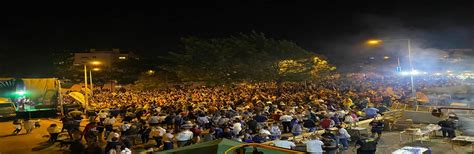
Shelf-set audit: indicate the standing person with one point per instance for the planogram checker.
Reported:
(53, 131)
(28, 125)
(109, 125)
(448, 128)
(252, 125)
(366, 145)
(169, 120)
(112, 144)
(157, 134)
(377, 127)
(145, 134)
(297, 129)
(343, 137)
(286, 122)
(327, 123)
(90, 132)
(178, 121)
(330, 145)
(196, 134)
(275, 131)
(184, 137)
(17, 126)
(168, 140)
(314, 145)
(261, 120)
(310, 124)
(66, 121)
(112, 140)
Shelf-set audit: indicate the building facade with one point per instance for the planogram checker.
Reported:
(106, 58)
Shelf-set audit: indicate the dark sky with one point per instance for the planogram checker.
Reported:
(28, 35)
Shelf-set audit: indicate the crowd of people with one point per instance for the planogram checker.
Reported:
(247, 112)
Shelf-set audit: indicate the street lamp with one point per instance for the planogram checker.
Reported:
(373, 42)
(412, 70)
(86, 99)
(150, 72)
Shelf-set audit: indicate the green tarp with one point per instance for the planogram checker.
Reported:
(213, 147)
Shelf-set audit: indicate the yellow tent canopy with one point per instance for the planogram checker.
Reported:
(422, 98)
(79, 97)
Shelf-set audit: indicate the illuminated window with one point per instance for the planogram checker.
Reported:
(122, 57)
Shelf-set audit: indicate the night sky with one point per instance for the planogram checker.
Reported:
(29, 35)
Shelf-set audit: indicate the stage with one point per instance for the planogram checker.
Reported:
(36, 112)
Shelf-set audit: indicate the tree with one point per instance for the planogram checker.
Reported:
(244, 57)
(64, 68)
(155, 80)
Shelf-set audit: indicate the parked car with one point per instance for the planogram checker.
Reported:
(7, 109)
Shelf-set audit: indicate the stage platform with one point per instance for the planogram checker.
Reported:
(36, 112)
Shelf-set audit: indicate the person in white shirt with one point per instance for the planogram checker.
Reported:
(154, 120)
(286, 122)
(343, 137)
(275, 131)
(284, 143)
(314, 145)
(126, 151)
(265, 132)
(184, 137)
(236, 127)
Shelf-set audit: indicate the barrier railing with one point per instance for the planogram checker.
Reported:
(427, 108)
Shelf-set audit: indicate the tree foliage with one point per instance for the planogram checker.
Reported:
(244, 57)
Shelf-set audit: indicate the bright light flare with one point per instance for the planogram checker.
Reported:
(414, 72)
(373, 42)
(20, 93)
(96, 69)
(386, 57)
(96, 62)
(150, 72)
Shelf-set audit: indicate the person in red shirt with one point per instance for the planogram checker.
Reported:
(326, 123)
(276, 116)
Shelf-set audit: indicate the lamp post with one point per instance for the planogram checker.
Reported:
(412, 70)
(86, 98)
